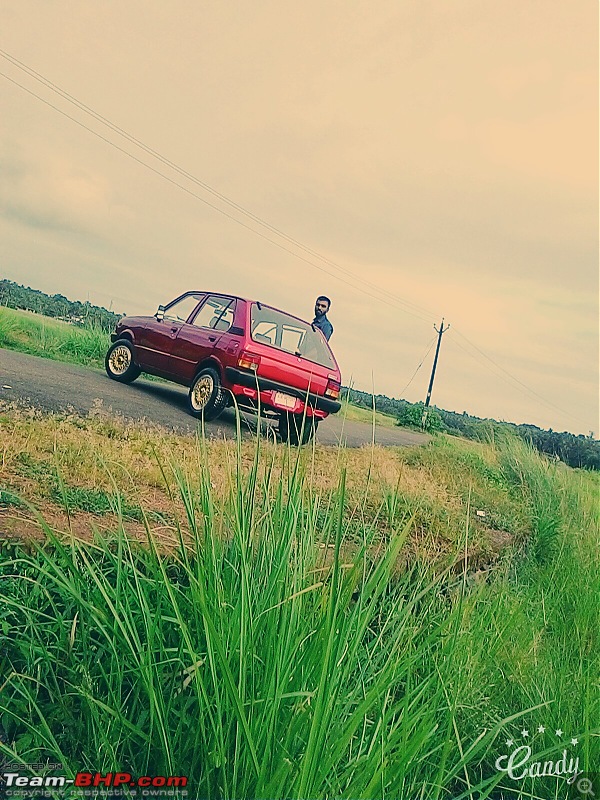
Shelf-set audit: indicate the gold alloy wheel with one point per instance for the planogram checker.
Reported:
(202, 391)
(120, 360)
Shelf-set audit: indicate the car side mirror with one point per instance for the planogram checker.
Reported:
(160, 313)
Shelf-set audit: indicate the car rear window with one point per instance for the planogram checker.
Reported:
(280, 330)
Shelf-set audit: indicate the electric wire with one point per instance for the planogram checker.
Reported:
(518, 384)
(239, 208)
(208, 203)
(512, 377)
(419, 367)
(387, 298)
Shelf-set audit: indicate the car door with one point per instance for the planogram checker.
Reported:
(154, 341)
(197, 339)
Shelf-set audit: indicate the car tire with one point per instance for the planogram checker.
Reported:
(297, 429)
(119, 362)
(206, 397)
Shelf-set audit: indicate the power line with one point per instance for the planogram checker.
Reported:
(206, 202)
(511, 376)
(518, 384)
(419, 367)
(387, 298)
(407, 305)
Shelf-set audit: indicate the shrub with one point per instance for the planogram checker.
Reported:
(412, 417)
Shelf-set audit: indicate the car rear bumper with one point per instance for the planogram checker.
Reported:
(250, 381)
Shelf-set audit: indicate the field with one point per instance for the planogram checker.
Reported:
(358, 414)
(274, 623)
(51, 338)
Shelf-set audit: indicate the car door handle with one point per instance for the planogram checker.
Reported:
(174, 330)
(212, 338)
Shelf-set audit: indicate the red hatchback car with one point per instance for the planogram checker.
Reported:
(226, 347)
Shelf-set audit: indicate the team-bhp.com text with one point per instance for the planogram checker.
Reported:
(91, 779)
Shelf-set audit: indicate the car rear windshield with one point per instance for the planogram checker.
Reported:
(272, 327)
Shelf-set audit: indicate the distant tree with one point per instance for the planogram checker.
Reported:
(576, 451)
(14, 295)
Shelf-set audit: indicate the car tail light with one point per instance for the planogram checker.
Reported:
(248, 360)
(333, 389)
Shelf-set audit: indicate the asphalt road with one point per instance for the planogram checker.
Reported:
(58, 387)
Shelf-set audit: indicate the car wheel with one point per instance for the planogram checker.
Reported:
(207, 398)
(119, 363)
(296, 429)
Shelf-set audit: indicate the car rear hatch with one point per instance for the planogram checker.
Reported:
(291, 351)
(291, 370)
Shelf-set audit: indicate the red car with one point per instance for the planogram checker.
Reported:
(228, 349)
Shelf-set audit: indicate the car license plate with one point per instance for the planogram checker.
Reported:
(285, 400)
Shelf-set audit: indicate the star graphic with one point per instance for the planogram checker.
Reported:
(559, 732)
(524, 733)
(574, 741)
(509, 742)
(541, 729)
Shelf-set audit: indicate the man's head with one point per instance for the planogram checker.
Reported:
(322, 304)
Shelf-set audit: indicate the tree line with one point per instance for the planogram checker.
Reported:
(13, 295)
(575, 450)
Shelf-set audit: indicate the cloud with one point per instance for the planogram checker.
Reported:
(52, 193)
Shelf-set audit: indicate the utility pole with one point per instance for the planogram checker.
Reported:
(440, 332)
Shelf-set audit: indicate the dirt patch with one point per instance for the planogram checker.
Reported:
(498, 541)
(27, 527)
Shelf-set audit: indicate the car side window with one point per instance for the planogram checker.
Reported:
(180, 310)
(216, 313)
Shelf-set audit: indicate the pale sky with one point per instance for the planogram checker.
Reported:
(446, 153)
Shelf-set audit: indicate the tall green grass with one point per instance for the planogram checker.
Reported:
(261, 660)
(50, 338)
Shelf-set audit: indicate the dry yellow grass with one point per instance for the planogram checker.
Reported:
(106, 455)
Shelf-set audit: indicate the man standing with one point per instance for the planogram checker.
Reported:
(320, 321)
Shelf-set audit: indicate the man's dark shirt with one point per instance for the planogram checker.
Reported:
(324, 325)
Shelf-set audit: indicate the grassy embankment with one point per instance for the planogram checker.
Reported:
(323, 623)
(51, 338)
